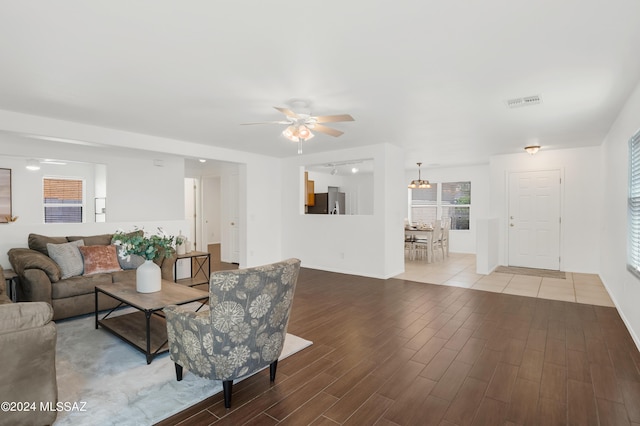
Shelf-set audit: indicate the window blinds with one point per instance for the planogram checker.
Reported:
(63, 200)
(633, 206)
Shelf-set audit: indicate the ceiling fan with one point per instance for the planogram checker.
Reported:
(299, 125)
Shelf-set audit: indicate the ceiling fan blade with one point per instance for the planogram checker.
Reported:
(266, 122)
(333, 118)
(287, 112)
(327, 130)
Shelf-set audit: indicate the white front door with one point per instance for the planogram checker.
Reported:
(534, 219)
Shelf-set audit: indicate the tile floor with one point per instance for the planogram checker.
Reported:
(459, 270)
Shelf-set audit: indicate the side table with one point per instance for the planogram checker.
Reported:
(11, 278)
(199, 267)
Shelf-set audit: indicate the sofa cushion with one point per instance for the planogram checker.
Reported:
(68, 258)
(99, 259)
(127, 275)
(93, 240)
(39, 242)
(77, 286)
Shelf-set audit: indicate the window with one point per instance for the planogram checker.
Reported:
(633, 207)
(447, 199)
(63, 200)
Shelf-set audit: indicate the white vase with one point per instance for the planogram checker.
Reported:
(148, 277)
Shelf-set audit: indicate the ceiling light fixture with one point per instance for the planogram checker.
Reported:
(298, 134)
(421, 184)
(33, 165)
(354, 170)
(202, 160)
(334, 171)
(532, 149)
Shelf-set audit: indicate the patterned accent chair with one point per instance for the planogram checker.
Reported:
(244, 329)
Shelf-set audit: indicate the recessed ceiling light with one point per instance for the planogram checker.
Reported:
(202, 160)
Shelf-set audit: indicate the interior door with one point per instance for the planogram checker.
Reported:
(230, 243)
(534, 219)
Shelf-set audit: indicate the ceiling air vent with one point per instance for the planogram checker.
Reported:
(526, 101)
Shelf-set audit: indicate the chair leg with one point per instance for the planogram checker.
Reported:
(272, 370)
(178, 371)
(226, 389)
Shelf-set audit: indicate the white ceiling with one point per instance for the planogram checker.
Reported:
(430, 76)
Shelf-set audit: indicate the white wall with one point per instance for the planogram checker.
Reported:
(260, 226)
(369, 245)
(460, 241)
(581, 201)
(623, 287)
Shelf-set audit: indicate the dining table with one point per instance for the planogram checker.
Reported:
(412, 234)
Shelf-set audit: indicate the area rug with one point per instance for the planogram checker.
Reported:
(112, 384)
(544, 273)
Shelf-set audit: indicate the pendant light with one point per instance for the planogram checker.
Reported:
(420, 184)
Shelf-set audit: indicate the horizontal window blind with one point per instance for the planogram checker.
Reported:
(633, 206)
(63, 200)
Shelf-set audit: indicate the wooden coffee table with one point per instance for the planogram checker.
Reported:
(145, 329)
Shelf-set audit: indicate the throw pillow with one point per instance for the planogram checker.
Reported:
(99, 259)
(68, 258)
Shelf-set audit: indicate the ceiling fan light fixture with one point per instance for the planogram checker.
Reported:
(304, 133)
(419, 183)
(291, 133)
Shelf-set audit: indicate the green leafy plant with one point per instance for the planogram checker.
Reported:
(150, 247)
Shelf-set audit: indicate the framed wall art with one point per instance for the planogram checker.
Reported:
(5, 196)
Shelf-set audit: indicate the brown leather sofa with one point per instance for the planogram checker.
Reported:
(28, 351)
(39, 277)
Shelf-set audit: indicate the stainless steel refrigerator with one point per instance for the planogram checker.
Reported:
(332, 202)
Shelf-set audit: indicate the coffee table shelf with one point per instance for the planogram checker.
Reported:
(145, 329)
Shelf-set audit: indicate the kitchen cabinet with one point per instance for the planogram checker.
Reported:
(310, 198)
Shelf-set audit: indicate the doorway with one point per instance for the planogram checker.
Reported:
(534, 219)
(212, 206)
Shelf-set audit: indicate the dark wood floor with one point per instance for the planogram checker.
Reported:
(394, 352)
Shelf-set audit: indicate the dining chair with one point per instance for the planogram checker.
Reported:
(446, 227)
(436, 240)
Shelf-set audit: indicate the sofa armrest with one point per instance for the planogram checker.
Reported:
(23, 316)
(22, 259)
(28, 356)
